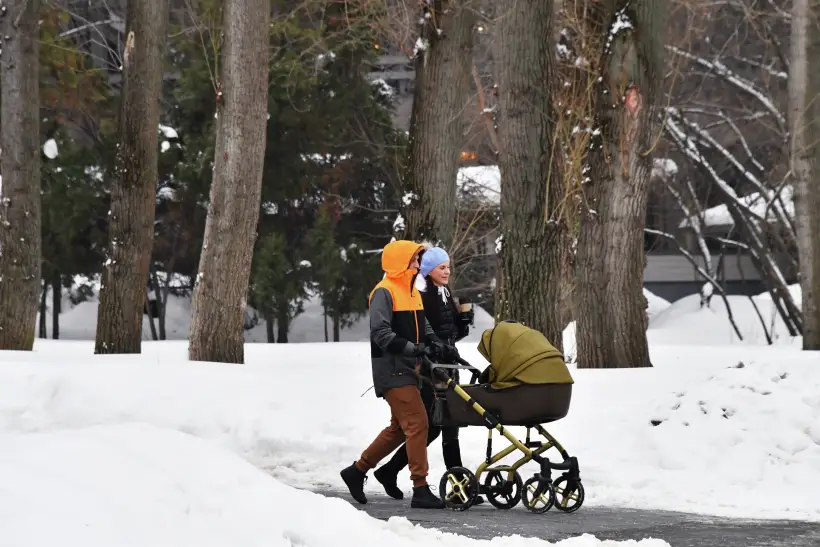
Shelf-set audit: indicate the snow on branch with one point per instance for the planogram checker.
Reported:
(738, 81)
(779, 207)
(742, 212)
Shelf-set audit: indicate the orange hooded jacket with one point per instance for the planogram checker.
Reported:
(397, 319)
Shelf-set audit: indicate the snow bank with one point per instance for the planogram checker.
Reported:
(755, 425)
(297, 411)
(685, 321)
(137, 485)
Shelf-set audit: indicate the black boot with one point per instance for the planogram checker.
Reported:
(423, 498)
(355, 479)
(388, 477)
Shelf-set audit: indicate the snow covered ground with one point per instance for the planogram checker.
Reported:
(137, 485)
(154, 450)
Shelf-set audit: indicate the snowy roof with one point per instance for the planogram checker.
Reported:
(757, 204)
(483, 179)
(486, 179)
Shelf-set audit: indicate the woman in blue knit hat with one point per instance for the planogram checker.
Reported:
(450, 326)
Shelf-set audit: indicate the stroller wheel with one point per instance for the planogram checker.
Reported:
(503, 493)
(458, 488)
(538, 496)
(569, 494)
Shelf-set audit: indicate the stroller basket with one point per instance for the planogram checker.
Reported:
(524, 405)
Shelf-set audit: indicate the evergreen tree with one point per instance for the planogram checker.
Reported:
(327, 266)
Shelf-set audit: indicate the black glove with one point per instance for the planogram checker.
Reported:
(444, 353)
(466, 318)
(415, 350)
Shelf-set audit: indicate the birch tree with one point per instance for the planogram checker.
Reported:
(20, 237)
(220, 293)
(442, 66)
(611, 319)
(131, 218)
(804, 155)
(534, 228)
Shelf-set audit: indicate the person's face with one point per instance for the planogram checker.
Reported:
(441, 273)
(414, 262)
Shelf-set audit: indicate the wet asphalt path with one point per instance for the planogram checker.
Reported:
(679, 529)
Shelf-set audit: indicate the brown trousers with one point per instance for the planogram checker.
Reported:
(408, 424)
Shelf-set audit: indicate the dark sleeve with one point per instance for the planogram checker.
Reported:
(463, 329)
(381, 324)
(429, 333)
(460, 328)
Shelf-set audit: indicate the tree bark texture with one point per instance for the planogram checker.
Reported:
(133, 195)
(220, 294)
(612, 318)
(20, 237)
(534, 226)
(441, 93)
(804, 121)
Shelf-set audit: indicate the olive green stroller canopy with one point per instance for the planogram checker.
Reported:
(527, 382)
(520, 355)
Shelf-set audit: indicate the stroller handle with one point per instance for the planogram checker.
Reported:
(462, 364)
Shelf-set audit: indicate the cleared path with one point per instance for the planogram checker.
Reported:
(679, 529)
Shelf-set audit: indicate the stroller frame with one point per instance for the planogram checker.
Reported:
(459, 487)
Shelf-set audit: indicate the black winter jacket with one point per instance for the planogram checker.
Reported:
(442, 316)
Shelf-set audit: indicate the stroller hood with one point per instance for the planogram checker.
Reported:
(520, 355)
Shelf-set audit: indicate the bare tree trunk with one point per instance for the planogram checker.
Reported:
(20, 237)
(43, 330)
(282, 325)
(152, 326)
(337, 328)
(131, 220)
(56, 306)
(534, 230)
(612, 317)
(436, 126)
(804, 121)
(220, 293)
(269, 327)
(161, 296)
(324, 313)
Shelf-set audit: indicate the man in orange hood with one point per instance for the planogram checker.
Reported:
(398, 331)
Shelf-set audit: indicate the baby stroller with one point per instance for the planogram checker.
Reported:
(527, 384)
